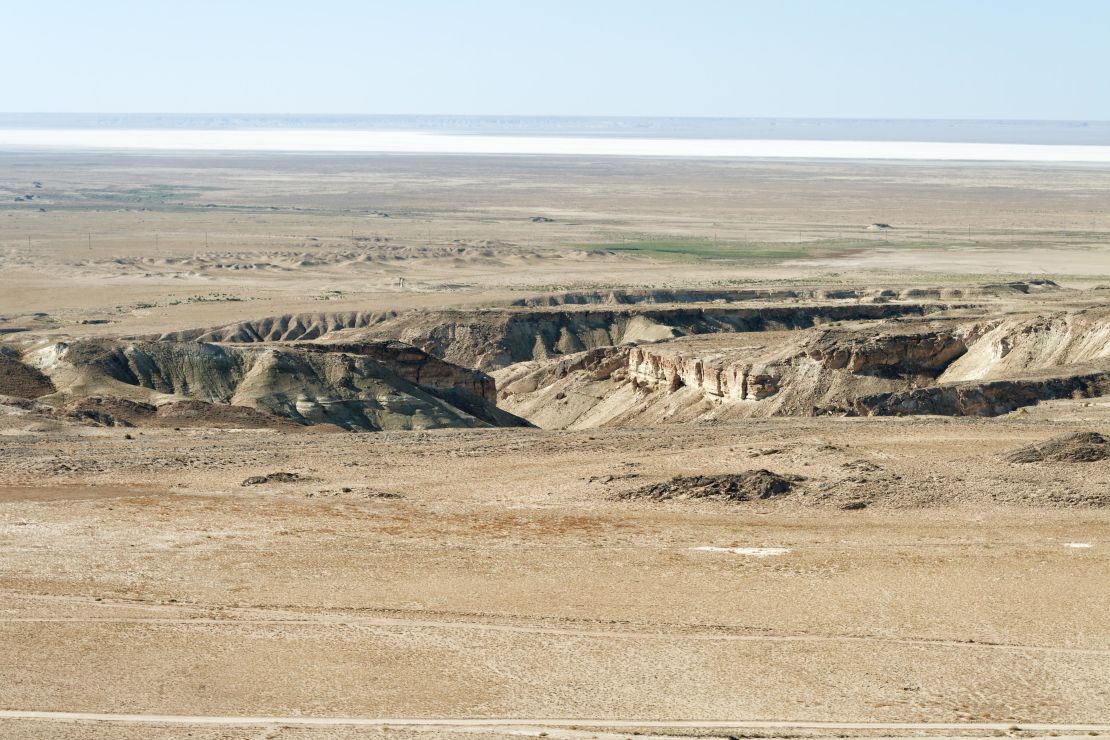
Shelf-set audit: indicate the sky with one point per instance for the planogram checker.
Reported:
(995, 59)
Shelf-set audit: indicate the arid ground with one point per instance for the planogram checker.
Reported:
(409, 446)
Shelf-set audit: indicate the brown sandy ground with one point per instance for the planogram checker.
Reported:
(500, 574)
(508, 580)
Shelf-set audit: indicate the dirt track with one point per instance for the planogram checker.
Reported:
(524, 723)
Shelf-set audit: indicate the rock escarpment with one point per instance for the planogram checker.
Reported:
(860, 370)
(735, 295)
(386, 385)
(496, 338)
(987, 398)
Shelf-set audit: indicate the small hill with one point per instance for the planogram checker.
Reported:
(1077, 447)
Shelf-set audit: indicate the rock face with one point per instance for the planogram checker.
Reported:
(792, 373)
(365, 388)
(1019, 345)
(1078, 447)
(920, 354)
(414, 365)
(751, 484)
(854, 371)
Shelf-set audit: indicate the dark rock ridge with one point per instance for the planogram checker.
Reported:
(122, 412)
(730, 295)
(988, 398)
(287, 328)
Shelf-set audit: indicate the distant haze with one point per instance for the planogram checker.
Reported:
(694, 138)
(778, 129)
(854, 59)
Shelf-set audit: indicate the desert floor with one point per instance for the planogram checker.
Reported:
(495, 574)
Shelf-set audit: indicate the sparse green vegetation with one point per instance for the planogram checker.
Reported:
(690, 249)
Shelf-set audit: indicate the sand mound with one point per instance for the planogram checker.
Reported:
(1077, 447)
(751, 484)
(20, 380)
(203, 414)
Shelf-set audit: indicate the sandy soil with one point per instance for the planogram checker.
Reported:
(503, 577)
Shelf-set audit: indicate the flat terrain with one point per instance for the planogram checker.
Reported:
(159, 243)
(496, 581)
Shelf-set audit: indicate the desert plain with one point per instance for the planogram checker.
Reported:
(410, 446)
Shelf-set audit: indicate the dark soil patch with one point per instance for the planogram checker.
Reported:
(1077, 447)
(24, 381)
(281, 477)
(751, 484)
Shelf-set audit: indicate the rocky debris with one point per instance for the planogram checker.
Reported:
(1077, 447)
(353, 492)
(745, 486)
(123, 412)
(862, 484)
(280, 477)
(95, 418)
(861, 466)
(607, 479)
(91, 412)
(218, 416)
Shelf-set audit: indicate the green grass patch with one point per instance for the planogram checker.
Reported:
(707, 249)
(691, 249)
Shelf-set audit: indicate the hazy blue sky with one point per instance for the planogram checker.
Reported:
(837, 58)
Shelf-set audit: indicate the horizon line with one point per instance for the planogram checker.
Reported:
(595, 116)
